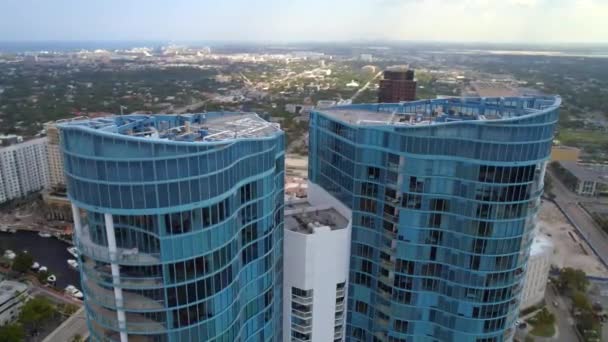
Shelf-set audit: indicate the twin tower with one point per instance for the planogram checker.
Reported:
(419, 224)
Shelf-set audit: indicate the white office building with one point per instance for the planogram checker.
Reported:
(23, 169)
(316, 260)
(12, 296)
(537, 272)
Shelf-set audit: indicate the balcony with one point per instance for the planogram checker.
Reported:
(94, 273)
(340, 292)
(295, 339)
(131, 300)
(384, 294)
(380, 335)
(301, 300)
(387, 250)
(122, 256)
(387, 263)
(301, 328)
(301, 314)
(384, 308)
(135, 323)
(391, 217)
(381, 322)
(337, 333)
(388, 280)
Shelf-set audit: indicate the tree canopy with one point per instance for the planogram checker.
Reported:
(36, 312)
(12, 333)
(23, 261)
(573, 280)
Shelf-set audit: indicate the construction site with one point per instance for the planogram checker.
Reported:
(570, 250)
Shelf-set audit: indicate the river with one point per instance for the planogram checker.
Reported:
(48, 252)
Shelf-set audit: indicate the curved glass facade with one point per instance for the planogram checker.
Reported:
(181, 237)
(444, 195)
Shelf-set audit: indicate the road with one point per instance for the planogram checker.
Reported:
(585, 225)
(57, 297)
(355, 95)
(74, 325)
(564, 322)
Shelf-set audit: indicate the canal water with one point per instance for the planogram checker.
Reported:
(49, 252)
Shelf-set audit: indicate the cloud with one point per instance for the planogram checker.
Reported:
(525, 3)
(322, 20)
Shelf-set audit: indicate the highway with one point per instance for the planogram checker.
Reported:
(585, 225)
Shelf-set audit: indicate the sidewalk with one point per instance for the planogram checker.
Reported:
(74, 325)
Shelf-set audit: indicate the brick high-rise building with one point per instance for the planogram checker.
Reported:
(397, 86)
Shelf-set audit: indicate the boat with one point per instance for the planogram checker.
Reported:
(73, 291)
(51, 279)
(44, 235)
(73, 251)
(4, 229)
(10, 255)
(35, 266)
(73, 263)
(12, 230)
(43, 269)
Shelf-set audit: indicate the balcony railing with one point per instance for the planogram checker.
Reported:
(125, 282)
(381, 321)
(301, 329)
(121, 256)
(393, 166)
(387, 263)
(131, 300)
(301, 300)
(135, 323)
(386, 279)
(301, 314)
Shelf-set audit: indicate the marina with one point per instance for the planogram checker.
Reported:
(49, 253)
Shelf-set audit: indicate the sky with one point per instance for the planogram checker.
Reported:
(502, 21)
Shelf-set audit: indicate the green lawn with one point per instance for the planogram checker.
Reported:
(543, 330)
(582, 137)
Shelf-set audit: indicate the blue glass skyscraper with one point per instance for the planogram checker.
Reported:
(181, 232)
(444, 195)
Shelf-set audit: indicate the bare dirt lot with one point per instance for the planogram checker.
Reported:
(570, 250)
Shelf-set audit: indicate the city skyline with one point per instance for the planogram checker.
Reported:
(519, 21)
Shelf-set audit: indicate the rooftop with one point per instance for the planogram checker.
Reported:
(585, 173)
(8, 289)
(202, 127)
(441, 111)
(304, 218)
